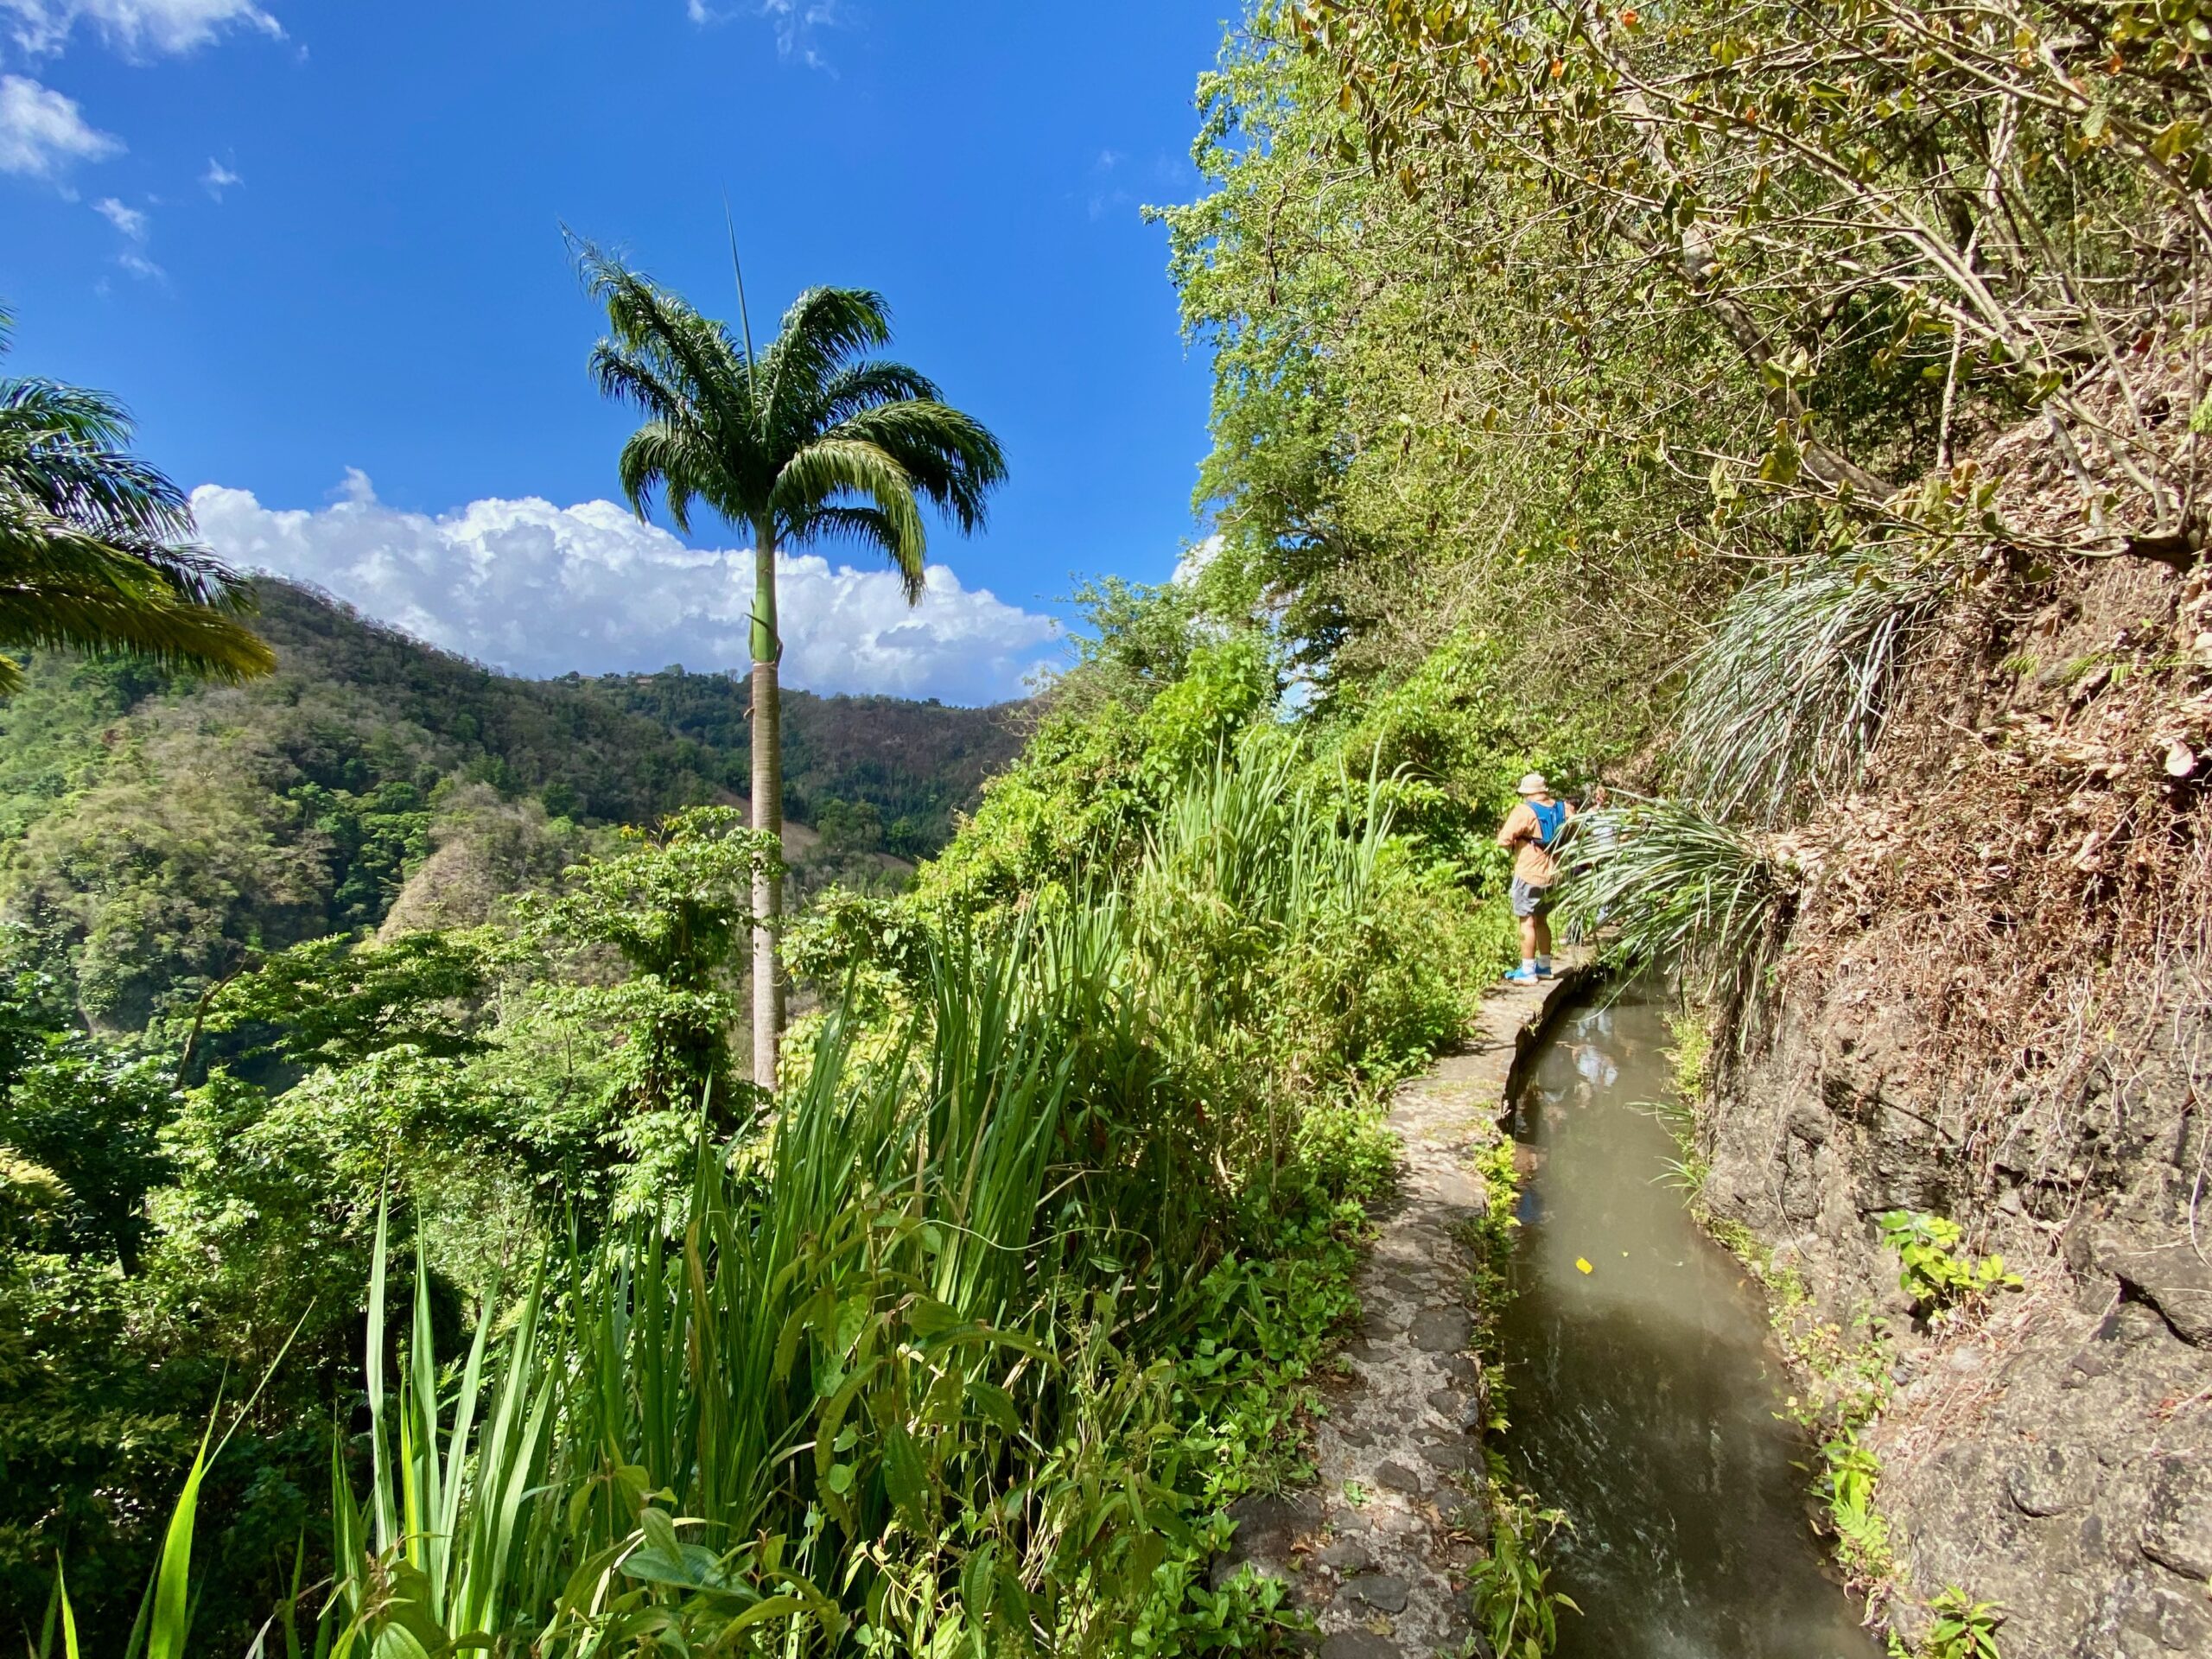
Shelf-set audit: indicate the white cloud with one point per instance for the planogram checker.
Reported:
(1196, 557)
(795, 21)
(140, 266)
(134, 28)
(538, 589)
(42, 134)
(218, 179)
(132, 222)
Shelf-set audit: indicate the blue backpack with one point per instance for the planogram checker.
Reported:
(1550, 820)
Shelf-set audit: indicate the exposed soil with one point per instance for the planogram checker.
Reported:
(1996, 1006)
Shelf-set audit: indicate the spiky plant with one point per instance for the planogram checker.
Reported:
(1679, 888)
(810, 438)
(96, 550)
(1786, 699)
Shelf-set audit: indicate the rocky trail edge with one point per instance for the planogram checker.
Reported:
(1379, 1548)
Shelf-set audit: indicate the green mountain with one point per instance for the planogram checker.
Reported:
(158, 830)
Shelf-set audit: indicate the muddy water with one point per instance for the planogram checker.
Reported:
(1642, 1394)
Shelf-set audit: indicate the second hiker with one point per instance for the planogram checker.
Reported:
(1532, 830)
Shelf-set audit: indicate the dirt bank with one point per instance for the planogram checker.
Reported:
(1993, 1007)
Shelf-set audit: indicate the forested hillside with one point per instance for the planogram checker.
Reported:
(160, 831)
(1791, 416)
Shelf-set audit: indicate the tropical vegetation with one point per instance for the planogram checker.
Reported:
(809, 438)
(1624, 395)
(95, 545)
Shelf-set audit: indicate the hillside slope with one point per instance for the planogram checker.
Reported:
(157, 830)
(1992, 1007)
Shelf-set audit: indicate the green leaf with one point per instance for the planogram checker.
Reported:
(906, 1479)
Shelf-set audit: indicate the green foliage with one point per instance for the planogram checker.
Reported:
(1692, 1054)
(1681, 889)
(1846, 1485)
(1093, 779)
(916, 763)
(164, 833)
(1942, 1283)
(1726, 168)
(1964, 1628)
(97, 545)
(1515, 1605)
(332, 1003)
(1409, 441)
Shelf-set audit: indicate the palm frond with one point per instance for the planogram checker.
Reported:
(666, 455)
(662, 342)
(95, 545)
(824, 329)
(65, 448)
(833, 468)
(61, 587)
(862, 386)
(952, 460)
(868, 527)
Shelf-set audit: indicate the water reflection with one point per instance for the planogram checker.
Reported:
(1642, 1400)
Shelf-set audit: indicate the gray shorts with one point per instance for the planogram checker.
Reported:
(1530, 900)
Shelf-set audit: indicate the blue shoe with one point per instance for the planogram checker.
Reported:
(1523, 977)
(1543, 968)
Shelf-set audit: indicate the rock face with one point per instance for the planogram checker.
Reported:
(1377, 1550)
(2055, 1457)
(2058, 1456)
(1995, 1006)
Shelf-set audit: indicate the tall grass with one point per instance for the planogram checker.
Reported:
(850, 1361)
(1784, 701)
(894, 1378)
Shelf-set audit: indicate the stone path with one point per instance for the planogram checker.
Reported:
(1377, 1549)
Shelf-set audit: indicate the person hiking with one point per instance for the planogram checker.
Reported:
(1531, 830)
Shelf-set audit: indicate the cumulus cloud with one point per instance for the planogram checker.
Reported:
(43, 133)
(134, 28)
(130, 220)
(538, 589)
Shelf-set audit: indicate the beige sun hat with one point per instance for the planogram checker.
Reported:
(1533, 783)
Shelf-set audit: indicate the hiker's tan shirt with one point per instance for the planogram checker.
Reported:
(1521, 831)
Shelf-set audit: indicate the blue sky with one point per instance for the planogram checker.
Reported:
(317, 248)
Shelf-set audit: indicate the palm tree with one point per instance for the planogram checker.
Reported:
(95, 545)
(807, 439)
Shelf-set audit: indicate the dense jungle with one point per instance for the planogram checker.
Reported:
(478, 1179)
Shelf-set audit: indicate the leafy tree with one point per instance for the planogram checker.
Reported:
(334, 1003)
(94, 545)
(672, 906)
(1977, 213)
(807, 439)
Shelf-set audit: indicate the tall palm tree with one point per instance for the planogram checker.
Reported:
(95, 546)
(808, 438)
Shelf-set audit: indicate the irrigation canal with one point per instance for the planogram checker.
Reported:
(1643, 1392)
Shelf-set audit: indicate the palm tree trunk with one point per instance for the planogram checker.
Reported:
(767, 810)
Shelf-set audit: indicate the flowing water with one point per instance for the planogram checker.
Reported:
(1642, 1392)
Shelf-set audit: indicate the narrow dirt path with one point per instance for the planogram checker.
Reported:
(1378, 1548)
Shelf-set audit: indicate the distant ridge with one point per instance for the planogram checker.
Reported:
(160, 831)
